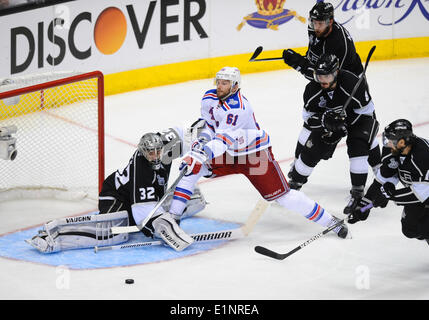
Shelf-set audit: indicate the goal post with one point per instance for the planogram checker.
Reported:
(59, 118)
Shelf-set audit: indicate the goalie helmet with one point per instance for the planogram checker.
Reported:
(397, 130)
(151, 147)
(229, 73)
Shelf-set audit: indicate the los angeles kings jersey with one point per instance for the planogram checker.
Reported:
(138, 182)
(338, 42)
(411, 170)
(318, 100)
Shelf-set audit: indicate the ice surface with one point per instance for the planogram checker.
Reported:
(377, 263)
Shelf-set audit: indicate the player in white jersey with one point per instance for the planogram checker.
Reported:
(232, 142)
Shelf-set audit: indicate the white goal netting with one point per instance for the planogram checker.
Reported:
(59, 138)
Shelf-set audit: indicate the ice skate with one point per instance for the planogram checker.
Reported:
(342, 230)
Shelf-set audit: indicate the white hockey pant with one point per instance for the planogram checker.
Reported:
(187, 186)
(298, 202)
(196, 204)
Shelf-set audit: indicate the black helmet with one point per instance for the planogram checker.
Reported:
(326, 64)
(397, 130)
(326, 71)
(322, 11)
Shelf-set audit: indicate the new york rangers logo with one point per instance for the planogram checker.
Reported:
(270, 15)
(232, 102)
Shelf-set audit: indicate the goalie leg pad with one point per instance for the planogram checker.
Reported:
(167, 228)
(80, 232)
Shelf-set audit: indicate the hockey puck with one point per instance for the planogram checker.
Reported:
(129, 281)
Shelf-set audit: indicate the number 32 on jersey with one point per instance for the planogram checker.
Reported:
(147, 193)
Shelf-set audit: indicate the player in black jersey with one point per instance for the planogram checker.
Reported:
(327, 124)
(142, 183)
(326, 36)
(406, 160)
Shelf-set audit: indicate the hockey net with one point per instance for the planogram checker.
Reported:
(59, 138)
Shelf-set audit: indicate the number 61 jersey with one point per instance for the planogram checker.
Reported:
(231, 126)
(138, 182)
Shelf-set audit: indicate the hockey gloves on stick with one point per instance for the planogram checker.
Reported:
(333, 121)
(374, 195)
(357, 214)
(195, 158)
(388, 190)
(331, 137)
(294, 60)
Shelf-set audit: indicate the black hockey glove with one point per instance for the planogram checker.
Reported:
(331, 137)
(357, 214)
(388, 190)
(295, 60)
(375, 194)
(334, 122)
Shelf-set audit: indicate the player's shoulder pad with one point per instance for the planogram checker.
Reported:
(210, 95)
(420, 153)
(348, 80)
(235, 101)
(312, 89)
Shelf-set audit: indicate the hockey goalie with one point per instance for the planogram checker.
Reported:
(127, 198)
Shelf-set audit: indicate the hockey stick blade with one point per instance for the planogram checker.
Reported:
(256, 53)
(269, 253)
(281, 256)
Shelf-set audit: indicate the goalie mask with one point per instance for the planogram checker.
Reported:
(151, 147)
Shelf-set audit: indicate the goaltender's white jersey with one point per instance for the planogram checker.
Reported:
(231, 126)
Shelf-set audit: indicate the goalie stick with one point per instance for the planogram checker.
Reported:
(230, 234)
(139, 227)
(281, 256)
